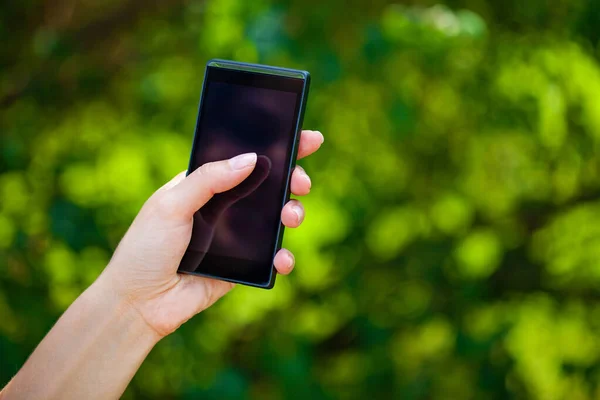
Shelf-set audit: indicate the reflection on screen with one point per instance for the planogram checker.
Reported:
(243, 222)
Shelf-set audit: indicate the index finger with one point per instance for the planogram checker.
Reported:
(310, 141)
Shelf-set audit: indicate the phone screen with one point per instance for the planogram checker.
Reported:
(235, 233)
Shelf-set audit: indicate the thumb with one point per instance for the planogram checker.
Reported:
(213, 209)
(216, 177)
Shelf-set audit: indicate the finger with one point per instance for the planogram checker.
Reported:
(300, 182)
(310, 141)
(284, 261)
(292, 214)
(198, 187)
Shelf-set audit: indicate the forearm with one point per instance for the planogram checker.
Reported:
(92, 352)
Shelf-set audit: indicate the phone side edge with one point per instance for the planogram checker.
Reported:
(292, 165)
(195, 137)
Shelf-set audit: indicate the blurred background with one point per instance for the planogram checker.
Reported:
(452, 242)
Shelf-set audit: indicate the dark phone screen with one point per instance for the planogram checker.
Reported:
(235, 233)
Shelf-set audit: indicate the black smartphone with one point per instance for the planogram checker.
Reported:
(245, 108)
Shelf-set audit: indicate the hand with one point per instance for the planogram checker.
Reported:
(143, 269)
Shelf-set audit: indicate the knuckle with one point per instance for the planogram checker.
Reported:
(211, 174)
(208, 169)
(206, 174)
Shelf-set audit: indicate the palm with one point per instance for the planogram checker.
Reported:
(170, 298)
(190, 295)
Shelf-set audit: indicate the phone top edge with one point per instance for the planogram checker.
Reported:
(258, 68)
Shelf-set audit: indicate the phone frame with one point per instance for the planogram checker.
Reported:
(265, 70)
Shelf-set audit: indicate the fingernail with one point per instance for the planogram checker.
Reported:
(243, 161)
(298, 211)
(291, 260)
(322, 137)
(303, 172)
(308, 178)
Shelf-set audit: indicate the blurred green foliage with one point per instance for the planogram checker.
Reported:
(452, 245)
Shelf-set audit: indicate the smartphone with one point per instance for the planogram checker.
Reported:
(245, 108)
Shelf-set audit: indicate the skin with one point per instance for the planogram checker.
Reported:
(99, 343)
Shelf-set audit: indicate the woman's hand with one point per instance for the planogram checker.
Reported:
(98, 344)
(143, 269)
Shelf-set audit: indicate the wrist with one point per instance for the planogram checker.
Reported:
(105, 290)
(92, 352)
